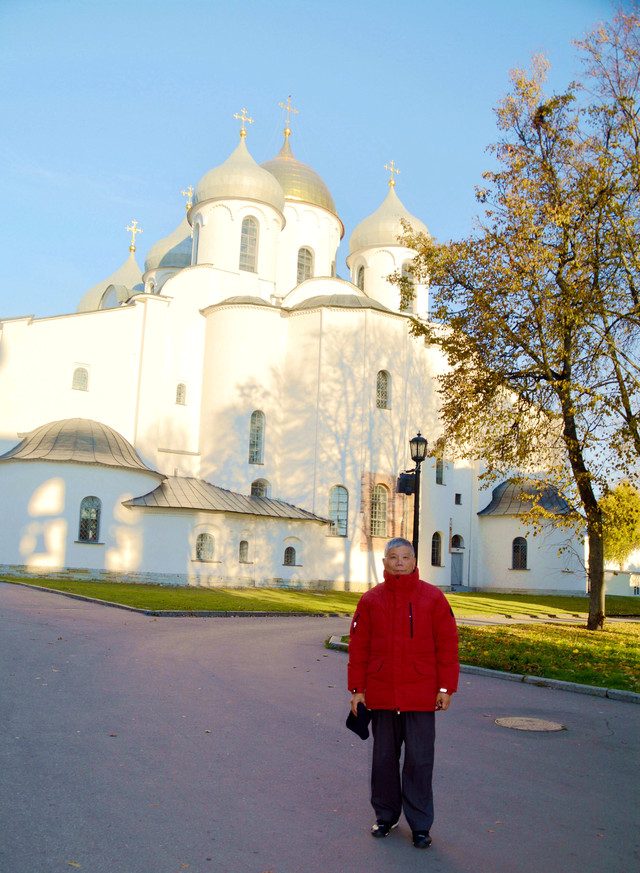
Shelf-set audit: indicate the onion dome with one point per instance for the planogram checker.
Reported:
(78, 441)
(240, 178)
(384, 226)
(128, 277)
(298, 180)
(174, 251)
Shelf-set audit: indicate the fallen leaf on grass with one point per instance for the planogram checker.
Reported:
(73, 864)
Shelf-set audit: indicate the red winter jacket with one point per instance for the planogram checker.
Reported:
(403, 645)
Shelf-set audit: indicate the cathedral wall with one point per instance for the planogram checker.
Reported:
(307, 226)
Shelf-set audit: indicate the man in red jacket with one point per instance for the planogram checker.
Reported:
(403, 665)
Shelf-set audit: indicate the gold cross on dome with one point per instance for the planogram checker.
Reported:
(392, 169)
(188, 193)
(289, 109)
(134, 229)
(244, 117)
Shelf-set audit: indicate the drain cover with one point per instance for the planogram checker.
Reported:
(530, 724)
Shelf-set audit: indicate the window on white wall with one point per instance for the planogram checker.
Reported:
(80, 381)
(256, 437)
(408, 282)
(289, 556)
(360, 278)
(379, 511)
(436, 550)
(249, 245)
(89, 527)
(181, 394)
(439, 471)
(243, 552)
(305, 264)
(519, 554)
(205, 544)
(383, 390)
(260, 488)
(338, 510)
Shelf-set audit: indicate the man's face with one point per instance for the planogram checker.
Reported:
(399, 561)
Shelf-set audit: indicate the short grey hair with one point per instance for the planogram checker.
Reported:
(396, 543)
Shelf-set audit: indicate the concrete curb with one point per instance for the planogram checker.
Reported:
(336, 643)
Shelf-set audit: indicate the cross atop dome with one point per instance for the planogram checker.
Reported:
(392, 169)
(290, 109)
(244, 117)
(188, 193)
(134, 229)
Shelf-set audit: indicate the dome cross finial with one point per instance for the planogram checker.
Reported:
(290, 109)
(244, 117)
(392, 169)
(134, 229)
(188, 193)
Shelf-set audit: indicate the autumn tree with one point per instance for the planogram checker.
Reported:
(537, 311)
(620, 509)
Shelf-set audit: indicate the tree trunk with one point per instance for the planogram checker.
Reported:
(596, 576)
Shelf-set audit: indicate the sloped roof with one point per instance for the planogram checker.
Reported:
(79, 441)
(512, 498)
(177, 492)
(342, 301)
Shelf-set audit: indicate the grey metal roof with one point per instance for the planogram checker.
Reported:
(347, 301)
(177, 492)
(80, 441)
(512, 498)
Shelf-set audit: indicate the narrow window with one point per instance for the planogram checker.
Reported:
(181, 394)
(439, 471)
(89, 529)
(204, 547)
(360, 278)
(260, 488)
(338, 510)
(379, 511)
(256, 438)
(249, 245)
(458, 499)
(289, 556)
(407, 287)
(519, 554)
(333, 269)
(305, 264)
(80, 379)
(436, 550)
(383, 392)
(243, 552)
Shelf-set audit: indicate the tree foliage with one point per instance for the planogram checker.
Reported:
(621, 522)
(537, 312)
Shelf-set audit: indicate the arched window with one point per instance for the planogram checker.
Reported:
(256, 438)
(181, 394)
(80, 379)
(383, 390)
(305, 264)
(360, 278)
(338, 510)
(436, 550)
(408, 286)
(243, 552)
(289, 556)
(457, 542)
(204, 547)
(519, 554)
(260, 488)
(378, 511)
(439, 471)
(249, 245)
(89, 528)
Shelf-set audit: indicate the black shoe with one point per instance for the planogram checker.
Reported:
(421, 839)
(382, 828)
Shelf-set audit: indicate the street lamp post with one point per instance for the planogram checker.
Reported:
(418, 446)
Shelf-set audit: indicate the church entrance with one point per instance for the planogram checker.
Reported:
(457, 567)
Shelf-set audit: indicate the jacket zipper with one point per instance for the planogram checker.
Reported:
(411, 619)
(355, 622)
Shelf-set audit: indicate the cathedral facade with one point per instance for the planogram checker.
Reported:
(236, 414)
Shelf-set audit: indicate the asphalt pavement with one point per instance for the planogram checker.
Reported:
(135, 744)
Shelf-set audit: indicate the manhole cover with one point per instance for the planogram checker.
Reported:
(530, 724)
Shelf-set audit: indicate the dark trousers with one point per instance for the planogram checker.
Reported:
(391, 794)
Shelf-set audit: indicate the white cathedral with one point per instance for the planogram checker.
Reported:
(236, 415)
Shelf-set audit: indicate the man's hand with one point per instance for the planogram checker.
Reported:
(355, 700)
(443, 700)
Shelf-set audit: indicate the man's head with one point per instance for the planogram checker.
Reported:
(399, 557)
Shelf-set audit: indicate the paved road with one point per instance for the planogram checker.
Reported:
(188, 745)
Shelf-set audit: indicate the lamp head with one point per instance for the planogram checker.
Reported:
(418, 446)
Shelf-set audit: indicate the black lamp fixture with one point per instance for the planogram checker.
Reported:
(418, 447)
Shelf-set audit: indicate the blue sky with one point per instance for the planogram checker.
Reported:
(109, 109)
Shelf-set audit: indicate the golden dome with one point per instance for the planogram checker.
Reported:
(299, 181)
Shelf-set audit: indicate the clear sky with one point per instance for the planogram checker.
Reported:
(110, 108)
